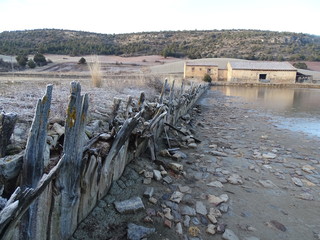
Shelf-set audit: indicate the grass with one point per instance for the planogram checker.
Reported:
(96, 73)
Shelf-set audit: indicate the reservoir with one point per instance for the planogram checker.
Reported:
(296, 109)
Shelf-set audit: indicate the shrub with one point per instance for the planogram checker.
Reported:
(207, 78)
(31, 63)
(96, 74)
(22, 60)
(39, 59)
(300, 65)
(82, 61)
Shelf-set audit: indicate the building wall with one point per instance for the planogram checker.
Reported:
(192, 71)
(222, 75)
(252, 76)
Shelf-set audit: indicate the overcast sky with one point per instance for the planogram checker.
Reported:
(127, 16)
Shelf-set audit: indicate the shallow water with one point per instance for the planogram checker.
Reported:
(297, 109)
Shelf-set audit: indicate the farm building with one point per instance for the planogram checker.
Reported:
(242, 71)
(252, 72)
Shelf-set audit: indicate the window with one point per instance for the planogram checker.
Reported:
(200, 69)
(209, 70)
(262, 76)
(192, 69)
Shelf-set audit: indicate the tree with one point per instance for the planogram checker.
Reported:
(39, 59)
(82, 61)
(207, 78)
(22, 60)
(300, 65)
(31, 63)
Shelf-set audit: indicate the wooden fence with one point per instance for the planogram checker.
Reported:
(52, 200)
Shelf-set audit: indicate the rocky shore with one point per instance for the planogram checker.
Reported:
(228, 173)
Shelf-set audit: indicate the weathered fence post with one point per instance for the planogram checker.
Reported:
(7, 123)
(33, 162)
(164, 87)
(68, 181)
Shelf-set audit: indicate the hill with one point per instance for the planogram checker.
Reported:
(245, 44)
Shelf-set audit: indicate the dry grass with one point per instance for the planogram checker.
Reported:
(96, 73)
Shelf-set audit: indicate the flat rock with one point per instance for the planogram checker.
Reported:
(269, 155)
(215, 184)
(176, 167)
(214, 200)
(297, 181)
(136, 232)
(201, 208)
(235, 179)
(129, 206)
(306, 196)
(219, 154)
(185, 189)
(229, 235)
(307, 168)
(186, 210)
(168, 179)
(179, 228)
(176, 196)
(267, 183)
(224, 197)
(148, 192)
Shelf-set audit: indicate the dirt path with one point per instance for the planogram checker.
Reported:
(257, 181)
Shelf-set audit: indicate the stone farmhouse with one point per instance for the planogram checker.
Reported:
(242, 71)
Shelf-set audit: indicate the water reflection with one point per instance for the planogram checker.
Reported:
(296, 109)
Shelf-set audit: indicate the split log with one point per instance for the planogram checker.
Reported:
(68, 181)
(164, 87)
(33, 162)
(7, 123)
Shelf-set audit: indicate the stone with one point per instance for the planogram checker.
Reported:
(204, 220)
(224, 197)
(168, 179)
(167, 223)
(307, 168)
(186, 210)
(10, 166)
(148, 192)
(214, 200)
(216, 184)
(147, 181)
(229, 235)
(221, 227)
(176, 196)
(195, 221)
(58, 129)
(192, 145)
(308, 183)
(179, 228)
(269, 155)
(212, 218)
(194, 231)
(267, 183)
(186, 221)
(147, 219)
(218, 154)
(176, 167)
(223, 207)
(167, 213)
(153, 200)
(157, 175)
(297, 181)
(211, 229)
(234, 179)
(179, 155)
(306, 196)
(148, 174)
(105, 136)
(278, 225)
(136, 232)
(129, 206)
(215, 212)
(184, 189)
(251, 238)
(201, 208)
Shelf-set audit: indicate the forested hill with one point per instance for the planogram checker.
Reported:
(248, 44)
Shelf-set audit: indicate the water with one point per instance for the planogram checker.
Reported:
(296, 109)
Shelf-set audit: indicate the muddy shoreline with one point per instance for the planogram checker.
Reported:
(267, 177)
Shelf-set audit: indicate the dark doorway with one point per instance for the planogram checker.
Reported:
(262, 76)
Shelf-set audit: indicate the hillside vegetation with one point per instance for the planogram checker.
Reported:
(245, 44)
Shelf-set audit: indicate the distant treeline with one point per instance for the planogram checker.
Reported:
(245, 44)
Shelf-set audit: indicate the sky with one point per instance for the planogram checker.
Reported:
(127, 16)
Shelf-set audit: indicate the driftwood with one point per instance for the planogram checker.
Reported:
(69, 178)
(33, 162)
(179, 131)
(7, 123)
(164, 87)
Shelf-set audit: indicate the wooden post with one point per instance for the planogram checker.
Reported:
(141, 101)
(128, 107)
(163, 91)
(7, 123)
(68, 181)
(33, 162)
